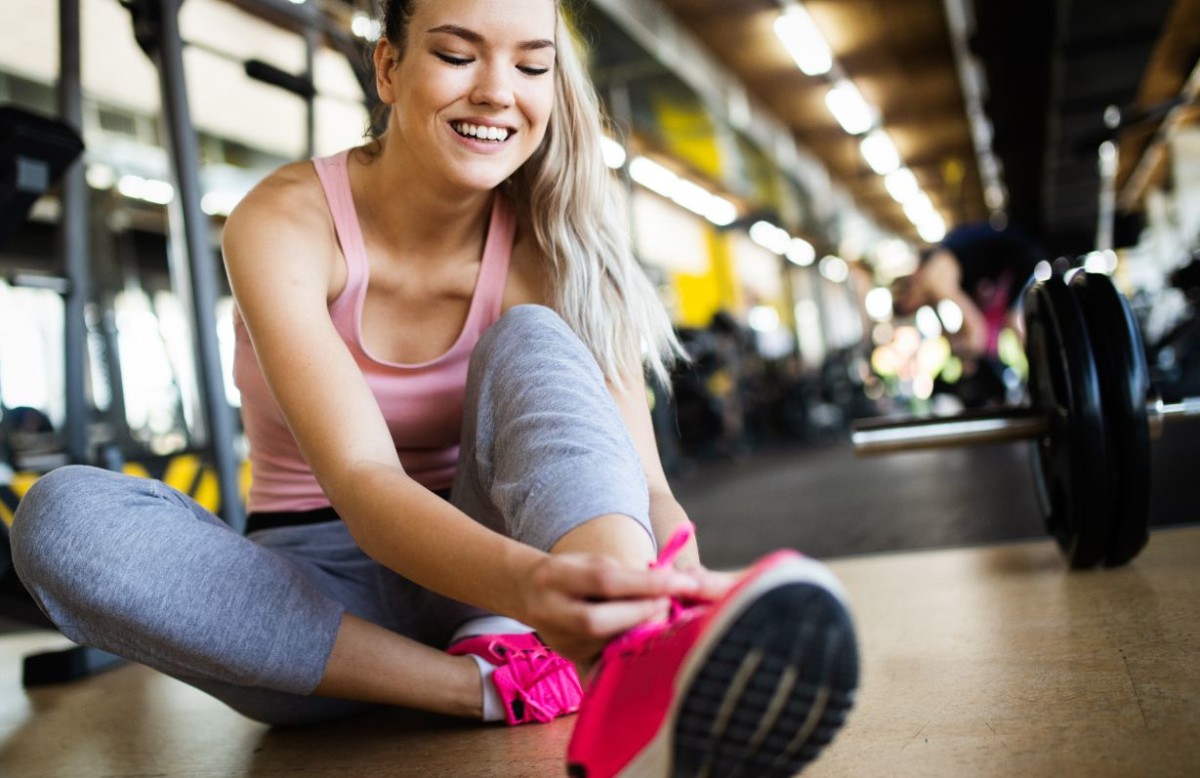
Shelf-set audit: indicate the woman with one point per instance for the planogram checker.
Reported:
(440, 352)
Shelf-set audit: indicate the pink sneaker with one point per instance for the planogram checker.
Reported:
(755, 684)
(535, 683)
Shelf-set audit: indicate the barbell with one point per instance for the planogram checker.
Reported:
(1091, 417)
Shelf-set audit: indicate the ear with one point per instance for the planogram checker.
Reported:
(386, 57)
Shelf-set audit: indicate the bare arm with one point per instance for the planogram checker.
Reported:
(666, 514)
(282, 260)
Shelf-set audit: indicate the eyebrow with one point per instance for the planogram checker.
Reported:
(473, 37)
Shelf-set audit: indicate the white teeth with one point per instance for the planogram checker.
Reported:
(480, 132)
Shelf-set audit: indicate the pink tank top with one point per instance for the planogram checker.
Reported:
(421, 403)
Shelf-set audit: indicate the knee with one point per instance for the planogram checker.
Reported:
(47, 520)
(529, 332)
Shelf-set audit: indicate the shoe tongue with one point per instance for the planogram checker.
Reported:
(679, 539)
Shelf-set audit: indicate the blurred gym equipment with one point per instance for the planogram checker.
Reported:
(1092, 417)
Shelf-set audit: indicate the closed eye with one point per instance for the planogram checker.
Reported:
(452, 60)
(533, 71)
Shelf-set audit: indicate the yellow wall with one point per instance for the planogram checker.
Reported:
(700, 296)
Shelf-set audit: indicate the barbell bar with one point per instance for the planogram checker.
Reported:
(875, 437)
(1091, 419)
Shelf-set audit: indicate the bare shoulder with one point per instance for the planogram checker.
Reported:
(288, 205)
(530, 271)
(283, 228)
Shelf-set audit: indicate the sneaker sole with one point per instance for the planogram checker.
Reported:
(765, 695)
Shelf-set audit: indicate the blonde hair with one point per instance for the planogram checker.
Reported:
(579, 218)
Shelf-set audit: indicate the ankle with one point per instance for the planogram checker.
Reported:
(468, 690)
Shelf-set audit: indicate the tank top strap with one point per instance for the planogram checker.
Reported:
(493, 272)
(334, 174)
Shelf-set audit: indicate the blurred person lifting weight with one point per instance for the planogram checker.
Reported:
(984, 272)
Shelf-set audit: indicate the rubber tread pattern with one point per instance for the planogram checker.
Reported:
(820, 649)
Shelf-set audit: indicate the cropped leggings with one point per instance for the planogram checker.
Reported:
(131, 566)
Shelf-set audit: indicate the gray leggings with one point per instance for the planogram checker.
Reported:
(136, 568)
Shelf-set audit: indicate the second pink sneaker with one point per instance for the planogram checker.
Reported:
(534, 683)
(755, 684)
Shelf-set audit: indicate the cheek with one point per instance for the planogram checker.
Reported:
(541, 105)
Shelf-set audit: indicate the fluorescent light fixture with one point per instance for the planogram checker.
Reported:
(932, 228)
(804, 41)
(653, 176)
(100, 176)
(928, 323)
(800, 252)
(614, 153)
(691, 196)
(834, 268)
(763, 318)
(994, 196)
(951, 315)
(880, 152)
(220, 202)
(720, 211)
(148, 189)
(902, 185)
(879, 303)
(772, 238)
(1101, 262)
(704, 203)
(849, 107)
(365, 27)
(919, 208)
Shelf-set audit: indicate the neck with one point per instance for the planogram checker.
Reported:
(416, 217)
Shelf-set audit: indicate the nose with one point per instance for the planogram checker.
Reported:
(493, 87)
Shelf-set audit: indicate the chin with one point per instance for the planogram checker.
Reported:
(483, 180)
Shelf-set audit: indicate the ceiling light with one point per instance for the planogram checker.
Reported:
(951, 315)
(932, 228)
(804, 41)
(365, 27)
(849, 107)
(763, 318)
(614, 153)
(770, 237)
(720, 211)
(878, 303)
(928, 323)
(902, 185)
(653, 176)
(691, 196)
(880, 152)
(834, 268)
(800, 252)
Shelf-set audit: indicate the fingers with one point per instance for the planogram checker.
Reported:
(606, 620)
(600, 578)
(712, 584)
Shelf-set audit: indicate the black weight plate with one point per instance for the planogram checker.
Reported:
(1124, 386)
(1071, 463)
(5, 551)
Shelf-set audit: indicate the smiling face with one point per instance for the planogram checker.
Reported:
(472, 93)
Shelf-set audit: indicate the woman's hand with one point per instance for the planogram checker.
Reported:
(579, 602)
(712, 585)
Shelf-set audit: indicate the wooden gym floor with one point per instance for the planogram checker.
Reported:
(983, 655)
(987, 661)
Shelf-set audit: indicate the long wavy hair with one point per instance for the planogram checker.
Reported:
(578, 214)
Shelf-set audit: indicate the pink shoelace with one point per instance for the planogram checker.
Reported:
(642, 636)
(678, 540)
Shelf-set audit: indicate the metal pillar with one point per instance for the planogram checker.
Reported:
(184, 153)
(72, 238)
(310, 99)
